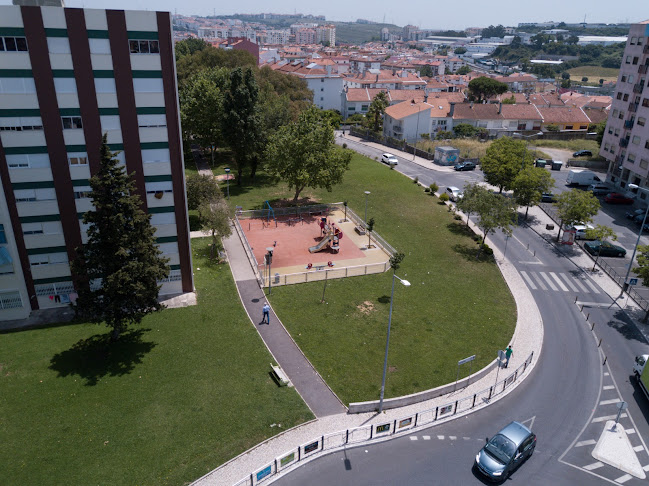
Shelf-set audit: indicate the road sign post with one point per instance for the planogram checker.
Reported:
(620, 408)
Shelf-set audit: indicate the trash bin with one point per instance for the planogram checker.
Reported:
(556, 165)
(276, 278)
(540, 163)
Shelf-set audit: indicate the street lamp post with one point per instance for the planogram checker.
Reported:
(414, 148)
(367, 193)
(227, 177)
(387, 342)
(269, 260)
(635, 248)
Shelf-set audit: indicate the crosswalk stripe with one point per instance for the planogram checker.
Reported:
(547, 279)
(590, 284)
(585, 443)
(569, 282)
(413, 437)
(608, 402)
(623, 479)
(425, 437)
(559, 282)
(440, 437)
(607, 417)
(528, 280)
(608, 387)
(452, 437)
(645, 468)
(539, 280)
(594, 465)
(580, 285)
(630, 431)
(638, 448)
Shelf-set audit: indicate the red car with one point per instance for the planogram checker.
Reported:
(617, 198)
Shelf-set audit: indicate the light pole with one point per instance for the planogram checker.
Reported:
(269, 260)
(367, 193)
(387, 342)
(227, 177)
(635, 248)
(414, 149)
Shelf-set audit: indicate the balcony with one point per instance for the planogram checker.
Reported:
(624, 142)
(397, 129)
(645, 49)
(638, 87)
(633, 107)
(629, 123)
(643, 69)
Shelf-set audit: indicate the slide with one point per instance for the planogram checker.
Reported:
(321, 245)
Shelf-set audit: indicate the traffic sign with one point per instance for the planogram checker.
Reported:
(633, 281)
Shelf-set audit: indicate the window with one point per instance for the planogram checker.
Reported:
(630, 80)
(626, 97)
(155, 155)
(632, 41)
(158, 187)
(148, 85)
(641, 121)
(623, 79)
(65, 85)
(144, 46)
(110, 122)
(151, 121)
(321, 89)
(105, 85)
(48, 259)
(13, 44)
(33, 161)
(18, 124)
(606, 147)
(322, 80)
(32, 228)
(71, 122)
(364, 107)
(617, 132)
(81, 194)
(644, 164)
(619, 95)
(645, 102)
(29, 195)
(10, 300)
(621, 115)
(99, 46)
(17, 86)
(628, 60)
(615, 112)
(635, 140)
(3, 236)
(610, 130)
(58, 45)
(568, 127)
(635, 60)
(78, 160)
(631, 158)
(640, 39)
(583, 127)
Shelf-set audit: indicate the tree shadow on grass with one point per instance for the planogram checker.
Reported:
(460, 228)
(469, 252)
(384, 299)
(97, 357)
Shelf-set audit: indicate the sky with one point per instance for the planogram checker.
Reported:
(425, 14)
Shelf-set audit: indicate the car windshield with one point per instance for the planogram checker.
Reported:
(500, 448)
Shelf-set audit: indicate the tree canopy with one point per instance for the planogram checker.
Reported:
(376, 110)
(504, 159)
(214, 217)
(304, 154)
(529, 186)
(482, 88)
(211, 57)
(575, 206)
(120, 264)
(201, 189)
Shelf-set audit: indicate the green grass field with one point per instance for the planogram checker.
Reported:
(593, 73)
(446, 314)
(182, 393)
(572, 145)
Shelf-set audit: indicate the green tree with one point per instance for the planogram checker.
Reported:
(240, 121)
(575, 206)
(463, 70)
(214, 217)
(494, 211)
(584, 79)
(600, 128)
(200, 189)
(211, 57)
(189, 46)
(602, 234)
(642, 270)
(370, 228)
(493, 31)
(470, 199)
(462, 130)
(565, 75)
(504, 159)
(295, 88)
(509, 101)
(376, 111)
(573, 39)
(565, 83)
(483, 87)
(529, 185)
(426, 71)
(459, 50)
(201, 108)
(304, 154)
(120, 264)
(516, 42)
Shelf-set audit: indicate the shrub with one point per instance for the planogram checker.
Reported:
(487, 250)
(433, 187)
(458, 217)
(416, 180)
(427, 189)
(443, 197)
(344, 145)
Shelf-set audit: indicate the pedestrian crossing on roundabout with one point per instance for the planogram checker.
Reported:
(558, 282)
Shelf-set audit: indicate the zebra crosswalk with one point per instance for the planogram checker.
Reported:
(558, 282)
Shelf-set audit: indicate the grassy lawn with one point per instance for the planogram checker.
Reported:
(180, 394)
(446, 314)
(572, 145)
(593, 73)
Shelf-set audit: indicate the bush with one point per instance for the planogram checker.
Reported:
(457, 217)
(443, 197)
(344, 145)
(433, 187)
(427, 189)
(416, 180)
(487, 250)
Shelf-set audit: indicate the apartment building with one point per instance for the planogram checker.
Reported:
(625, 144)
(326, 34)
(68, 76)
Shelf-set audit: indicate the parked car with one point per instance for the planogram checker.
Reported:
(454, 193)
(617, 198)
(607, 249)
(548, 197)
(583, 153)
(599, 189)
(581, 230)
(506, 451)
(464, 166)
(389, 159)
(633, 214)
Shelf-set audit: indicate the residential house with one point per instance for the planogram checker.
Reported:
(407, 121)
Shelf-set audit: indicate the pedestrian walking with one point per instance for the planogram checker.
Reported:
(266, 316)
(508, 354)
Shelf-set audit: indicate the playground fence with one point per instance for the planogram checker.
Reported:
(296, 215)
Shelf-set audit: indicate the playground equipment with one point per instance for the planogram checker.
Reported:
(331, 237)
(270, 212)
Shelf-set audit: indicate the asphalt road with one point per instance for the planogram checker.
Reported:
(565, 400)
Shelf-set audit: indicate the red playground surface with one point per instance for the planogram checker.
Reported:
(291, 240)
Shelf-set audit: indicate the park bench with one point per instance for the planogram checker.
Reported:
(360, 229)
(280, 376)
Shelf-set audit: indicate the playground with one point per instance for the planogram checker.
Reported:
(311, 244)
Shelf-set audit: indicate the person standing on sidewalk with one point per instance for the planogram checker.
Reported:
(508, 354)
(266, 315)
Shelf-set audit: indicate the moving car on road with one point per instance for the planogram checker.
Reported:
(617, 198)
(506, 451)
(389, 159)
(583, 153)
(464, 166)
(604, 248)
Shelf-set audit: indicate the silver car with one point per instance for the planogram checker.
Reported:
(506, 450)
(389, 159)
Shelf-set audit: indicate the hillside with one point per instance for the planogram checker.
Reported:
(353, 33)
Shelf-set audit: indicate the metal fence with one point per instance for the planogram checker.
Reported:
(369, 433)
(296, 215)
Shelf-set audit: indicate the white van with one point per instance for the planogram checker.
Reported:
(581, 177)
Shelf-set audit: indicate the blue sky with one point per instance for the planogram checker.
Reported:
(423, 13)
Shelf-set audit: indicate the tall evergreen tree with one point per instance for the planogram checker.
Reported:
(119, 267)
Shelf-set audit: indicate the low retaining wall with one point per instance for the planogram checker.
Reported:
(362, 407)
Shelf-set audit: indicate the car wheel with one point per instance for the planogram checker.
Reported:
(620, 254)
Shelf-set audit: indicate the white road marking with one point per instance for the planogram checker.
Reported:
(466, 438)
(608, 387)
(590, 284)
(559, 282)
(609, 402)
(607, 417)
(594, 465)
(452, 437)
(569, 282)
(580, 285)
(413, 437)
(585, 443)
(547, 279)
(530, 263)
(623, 479)
(440, 437)
(425, 437)
(606, 373)
(638, 448)
(645, 468)
(528, 280)
(630, 431)
(539, 281)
